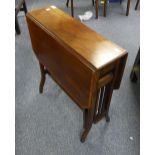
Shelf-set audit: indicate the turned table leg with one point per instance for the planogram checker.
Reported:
(43, 77)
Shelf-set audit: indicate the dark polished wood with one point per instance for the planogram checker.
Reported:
(83, 63)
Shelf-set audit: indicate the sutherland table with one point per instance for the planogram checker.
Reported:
(86, 65)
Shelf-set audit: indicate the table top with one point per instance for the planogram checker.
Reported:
(86, 43)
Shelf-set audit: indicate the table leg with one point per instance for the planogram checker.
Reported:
(88, 121)
(105, 8)
(17, 25)
(67, 3)
(96, 9)
(72, 8)
(25, 7)
(137, 5)
(43, 77)
(93, 2)
(128, 7)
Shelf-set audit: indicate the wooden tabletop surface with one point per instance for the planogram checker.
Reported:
(96, 49)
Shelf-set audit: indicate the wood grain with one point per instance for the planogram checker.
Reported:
(81, 61)
(88, 44)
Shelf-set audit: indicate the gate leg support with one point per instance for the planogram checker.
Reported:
(108, 100)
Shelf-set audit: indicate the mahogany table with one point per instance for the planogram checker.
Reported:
(86, 65)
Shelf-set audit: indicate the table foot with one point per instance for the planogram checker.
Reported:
(84, 135)
(107, 118)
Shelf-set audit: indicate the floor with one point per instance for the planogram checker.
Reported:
(50, 124)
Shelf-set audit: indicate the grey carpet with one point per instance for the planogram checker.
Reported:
(50, 124)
